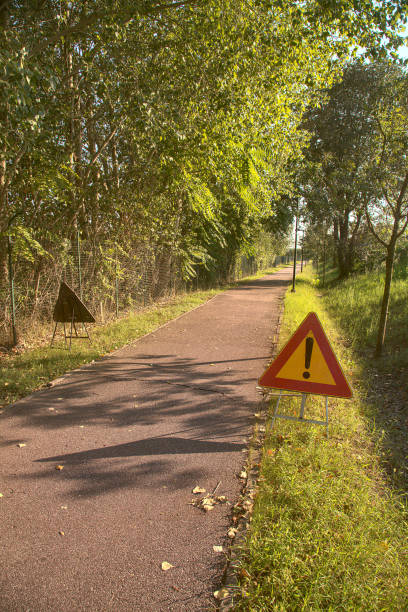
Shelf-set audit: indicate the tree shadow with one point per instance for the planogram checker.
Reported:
(160, 445)
(198, 404)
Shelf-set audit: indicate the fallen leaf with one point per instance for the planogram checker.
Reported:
(232, 532)
(21, 445)
(243, 573)
(243, 474)
(222, 499)
(218, 549)
(59, 467)
(208, 507)
(1, 494)
(166, 566)
(197, 490)
(221, 594)
(64, 507)
(62, 533)
(51, 409)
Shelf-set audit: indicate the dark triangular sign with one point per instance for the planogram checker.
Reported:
(69, 307)
(307, 364)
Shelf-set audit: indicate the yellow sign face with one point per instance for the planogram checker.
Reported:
(295, 367)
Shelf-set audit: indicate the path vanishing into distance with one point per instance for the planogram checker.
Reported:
(134, 433)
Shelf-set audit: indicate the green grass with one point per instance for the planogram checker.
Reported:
(361, 297)
(383, 380)
(23, 373)
(327, 533)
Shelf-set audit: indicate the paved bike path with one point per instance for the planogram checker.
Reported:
(134, 433)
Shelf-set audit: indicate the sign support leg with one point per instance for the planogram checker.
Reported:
(327, 417)
(276, 408)
(72, 324)
(87, 332)
(302, 405)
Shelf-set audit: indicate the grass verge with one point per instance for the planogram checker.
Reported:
(326, 533)
(383, 381)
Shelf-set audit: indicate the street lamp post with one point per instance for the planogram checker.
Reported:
(301, 257)
(294, 256)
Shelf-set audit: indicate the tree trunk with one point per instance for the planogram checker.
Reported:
(343, 257)
(389, 264)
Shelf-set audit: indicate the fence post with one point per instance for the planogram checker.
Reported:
(12, 298)
(79, 263)
(116, 283)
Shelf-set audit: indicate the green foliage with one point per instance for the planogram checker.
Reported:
(174, 125)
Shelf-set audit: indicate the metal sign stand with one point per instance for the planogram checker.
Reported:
(70, 336)
(69, 308)
(302, 410)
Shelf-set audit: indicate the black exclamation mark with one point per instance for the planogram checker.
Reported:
(308, 356)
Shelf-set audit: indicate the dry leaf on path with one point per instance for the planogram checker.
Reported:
(218, 549)
(21, 445)
(59, 467)
(243, 474)
(221, 594)
(232, 532)
(62, 533)
(197, 490)
(166, 566)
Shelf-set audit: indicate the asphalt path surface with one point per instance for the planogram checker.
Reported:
(134, 432)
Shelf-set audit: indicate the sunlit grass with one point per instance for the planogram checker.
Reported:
(360, 297)
(326, 534)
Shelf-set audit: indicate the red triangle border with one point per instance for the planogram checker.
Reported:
(341, 388)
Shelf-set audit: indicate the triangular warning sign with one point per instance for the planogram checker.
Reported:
(307, 364)
(69, 307)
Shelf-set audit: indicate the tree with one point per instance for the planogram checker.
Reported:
(359, 169)
(337, 181)
(172, 124)
(387, 210)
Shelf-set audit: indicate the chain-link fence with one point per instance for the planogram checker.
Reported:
(109, 280)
